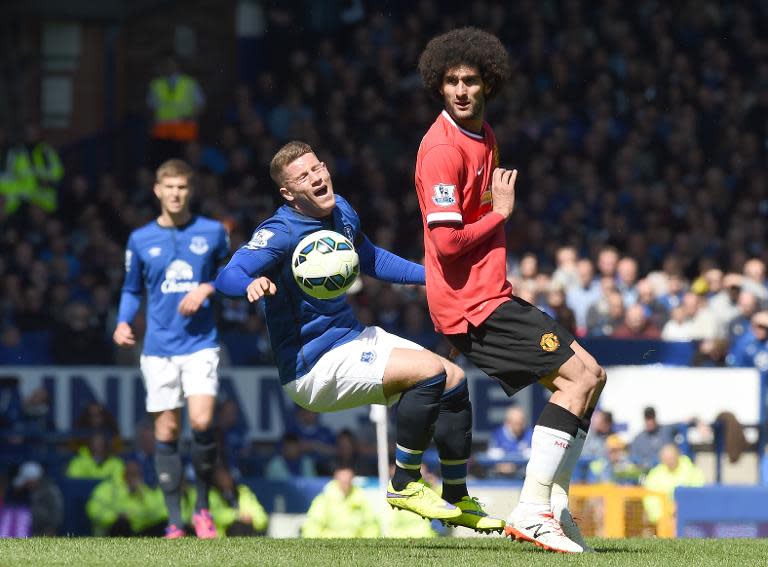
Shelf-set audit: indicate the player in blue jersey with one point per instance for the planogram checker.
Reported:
(175, 258)
(328, 361)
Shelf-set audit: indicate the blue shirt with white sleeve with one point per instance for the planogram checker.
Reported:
(169, 262)
(303, 328)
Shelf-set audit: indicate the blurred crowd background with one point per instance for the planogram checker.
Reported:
(640, 131)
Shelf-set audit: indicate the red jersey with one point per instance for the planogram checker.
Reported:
(453, 181)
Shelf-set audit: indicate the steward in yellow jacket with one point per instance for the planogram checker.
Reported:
(674, 470)
(235, 508)
(341, 510)
(94, 461)
(124, 505)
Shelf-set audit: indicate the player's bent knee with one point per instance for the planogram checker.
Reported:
(454, 375)
(431, 371)
(430, 367)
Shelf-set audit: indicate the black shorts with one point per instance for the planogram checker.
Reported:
(518, 345)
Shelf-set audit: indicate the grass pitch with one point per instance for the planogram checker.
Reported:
(458, 552)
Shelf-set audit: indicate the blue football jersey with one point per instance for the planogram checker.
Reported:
(169, 262)
(301, 328)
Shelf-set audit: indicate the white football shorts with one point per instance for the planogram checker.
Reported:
(170, 379)
(349, 375)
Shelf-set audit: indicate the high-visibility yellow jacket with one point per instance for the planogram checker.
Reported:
(32, 176)
(174, 102)
(111, 498)
(662, 479)
(333, 515)
(225, 515)
(83, 465)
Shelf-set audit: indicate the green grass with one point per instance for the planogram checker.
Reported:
(470, 552)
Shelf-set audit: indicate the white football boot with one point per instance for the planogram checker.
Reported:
(572, 531)
(541, 529)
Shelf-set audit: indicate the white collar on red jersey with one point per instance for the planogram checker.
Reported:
(463, 130)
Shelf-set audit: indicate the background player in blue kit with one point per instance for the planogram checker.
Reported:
(175, 257)
(329, 361)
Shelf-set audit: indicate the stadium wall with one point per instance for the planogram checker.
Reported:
(677, 393)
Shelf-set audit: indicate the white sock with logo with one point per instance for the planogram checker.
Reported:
(563, 476)
(549, 448)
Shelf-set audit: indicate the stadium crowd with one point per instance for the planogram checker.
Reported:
(640, 130)
(637, 128)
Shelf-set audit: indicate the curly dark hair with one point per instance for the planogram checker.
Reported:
(464, 46)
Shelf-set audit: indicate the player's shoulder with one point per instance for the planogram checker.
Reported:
(441, 138)
(440, 133)
(272, 232)
(145, 231)
(343, 204)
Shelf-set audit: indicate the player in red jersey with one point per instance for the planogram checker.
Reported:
(465, 199)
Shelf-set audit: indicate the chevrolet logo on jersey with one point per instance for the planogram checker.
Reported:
(179, 278)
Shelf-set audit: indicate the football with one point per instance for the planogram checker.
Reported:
(325, 264)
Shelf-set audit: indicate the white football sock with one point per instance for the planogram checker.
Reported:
(549, 448)
(563, 476)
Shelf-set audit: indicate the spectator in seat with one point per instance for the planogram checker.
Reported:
(751, 350)
(235, 508)
(615, 467)
(672, 471)
(607, 313)
(316, 440)
(581, 296)
(558, 309)
(37, 417)
(703, 320)
(348, 452)
(654, 310)
(679, 326)
(675, 291)
(725, 303)
(341, 510)
(626, 279)
(292, 461)
(124, 505)
(96, 418)
(600, 429)
(754, 279)
(645, 447)
(636, 325)
(513, 437)
(748, 306)
(34, 490)
(95, 460)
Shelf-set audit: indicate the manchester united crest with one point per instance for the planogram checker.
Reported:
(549, 342)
